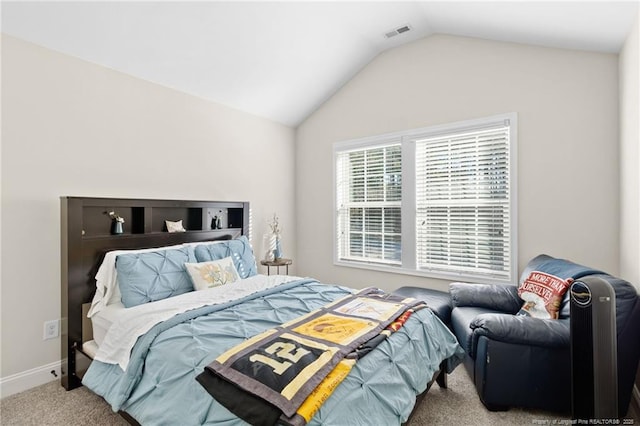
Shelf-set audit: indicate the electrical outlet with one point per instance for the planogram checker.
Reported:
(51, 329)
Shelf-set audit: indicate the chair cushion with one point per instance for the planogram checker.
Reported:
(501, 298)
(460, 320)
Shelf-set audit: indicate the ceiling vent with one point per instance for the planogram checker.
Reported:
(397, 31)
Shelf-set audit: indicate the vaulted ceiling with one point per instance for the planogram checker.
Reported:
(282, 60)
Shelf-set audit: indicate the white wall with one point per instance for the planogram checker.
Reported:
(73, 128)
(567, 105)
(629, 66)
(630, 157)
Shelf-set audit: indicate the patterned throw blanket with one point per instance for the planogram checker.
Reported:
(285, 374)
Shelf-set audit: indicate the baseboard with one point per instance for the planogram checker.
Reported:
(29, 379)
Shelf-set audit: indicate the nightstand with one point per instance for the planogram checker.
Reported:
(277, 263)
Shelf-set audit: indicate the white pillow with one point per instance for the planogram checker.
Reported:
(213, 273)
(174, 226)
(199, 243)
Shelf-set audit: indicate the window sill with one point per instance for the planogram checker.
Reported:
(453, 277)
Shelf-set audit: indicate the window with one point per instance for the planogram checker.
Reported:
(369, 194)
(436, 202)
(462, 198)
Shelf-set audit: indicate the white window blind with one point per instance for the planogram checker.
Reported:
(368, 200)
(463, 203)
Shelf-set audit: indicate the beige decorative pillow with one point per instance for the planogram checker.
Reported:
(174, 226)
(213, 273)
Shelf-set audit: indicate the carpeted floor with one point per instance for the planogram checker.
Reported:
(50, 404)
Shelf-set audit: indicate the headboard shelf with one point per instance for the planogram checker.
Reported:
(149, 216)
(86, 237)
(165, 233)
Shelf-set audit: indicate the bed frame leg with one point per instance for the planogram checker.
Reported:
(69, 379)
(441, 378)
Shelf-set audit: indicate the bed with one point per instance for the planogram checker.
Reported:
(146, 349)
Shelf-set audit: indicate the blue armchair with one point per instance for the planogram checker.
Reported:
(520, 361)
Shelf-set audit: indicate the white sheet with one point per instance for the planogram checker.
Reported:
(101, 321)
(134, 322)
(90, 348)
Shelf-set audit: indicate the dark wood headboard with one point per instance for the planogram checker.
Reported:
(86, 236)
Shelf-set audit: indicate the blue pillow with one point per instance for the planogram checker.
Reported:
(239, 249)
(156, 275)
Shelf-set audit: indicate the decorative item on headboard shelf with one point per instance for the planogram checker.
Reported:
(216, 221)
(116, 223)
(174, 226)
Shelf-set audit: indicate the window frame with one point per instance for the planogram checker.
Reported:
(407, 140)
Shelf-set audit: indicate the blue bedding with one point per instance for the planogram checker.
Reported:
(159, 386)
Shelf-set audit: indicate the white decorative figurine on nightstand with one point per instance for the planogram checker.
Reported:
(272, 240)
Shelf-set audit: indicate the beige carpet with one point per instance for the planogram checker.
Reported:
(50, 404)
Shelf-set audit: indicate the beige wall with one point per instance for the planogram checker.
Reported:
(630, 157)
(567, 105)
(629, 66)
(73, 128)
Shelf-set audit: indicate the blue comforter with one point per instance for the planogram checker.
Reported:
(159, 386)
